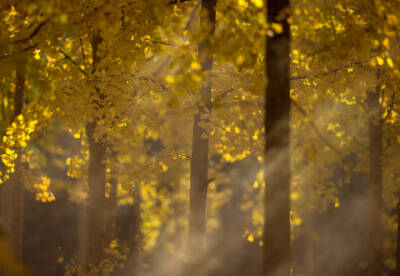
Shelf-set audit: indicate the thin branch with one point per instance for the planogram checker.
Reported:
(302, 77)
(157, 160)
(162, 66)
(230, 132)
(226, 92)
(73, 62)
(21, 51)
(192, 15)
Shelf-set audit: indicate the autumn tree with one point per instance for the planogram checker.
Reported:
(12, 191)
(277, 157)
(199, 162)
(19, 37)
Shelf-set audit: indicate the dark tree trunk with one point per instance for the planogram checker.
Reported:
(375, 184)
(199, 161)
(134, 236)
(96, 181)
(96, 197)
(12, 196)
(276, 260)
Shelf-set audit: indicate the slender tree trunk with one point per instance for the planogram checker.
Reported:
(276, 259)
(135, 243)
(96, 181)
(199, 161)
(12, 197)
(375, 184)
(135, 238)
(111, 210)
(82, 233)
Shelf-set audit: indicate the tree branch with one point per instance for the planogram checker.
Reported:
(73, 62)
(35, 32)
(23, 50)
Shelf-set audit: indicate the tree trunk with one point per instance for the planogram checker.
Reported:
(96, 197)
(375, 184)
(135, 243)
(276, 259)
(96, 181)
(111, 210)
(12, 196)
(199, 161)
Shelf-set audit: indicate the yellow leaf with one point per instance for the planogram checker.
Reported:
(242, 4)
(196, 78)
(60, 259)
(297, 221)
(195, 65)
(170, 79)
(277, 28)
(386, 43)
(257, 3)
(294, 196)
(255, 136)
(389, 62)
(380, 61)
(37, 54)
(164, 167)
(240, 59)
(250, 238)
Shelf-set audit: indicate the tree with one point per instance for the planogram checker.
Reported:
(276, 260)
(199, 161)
(375, 130)
(13, 191)
(112, 200)
(96, 177)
